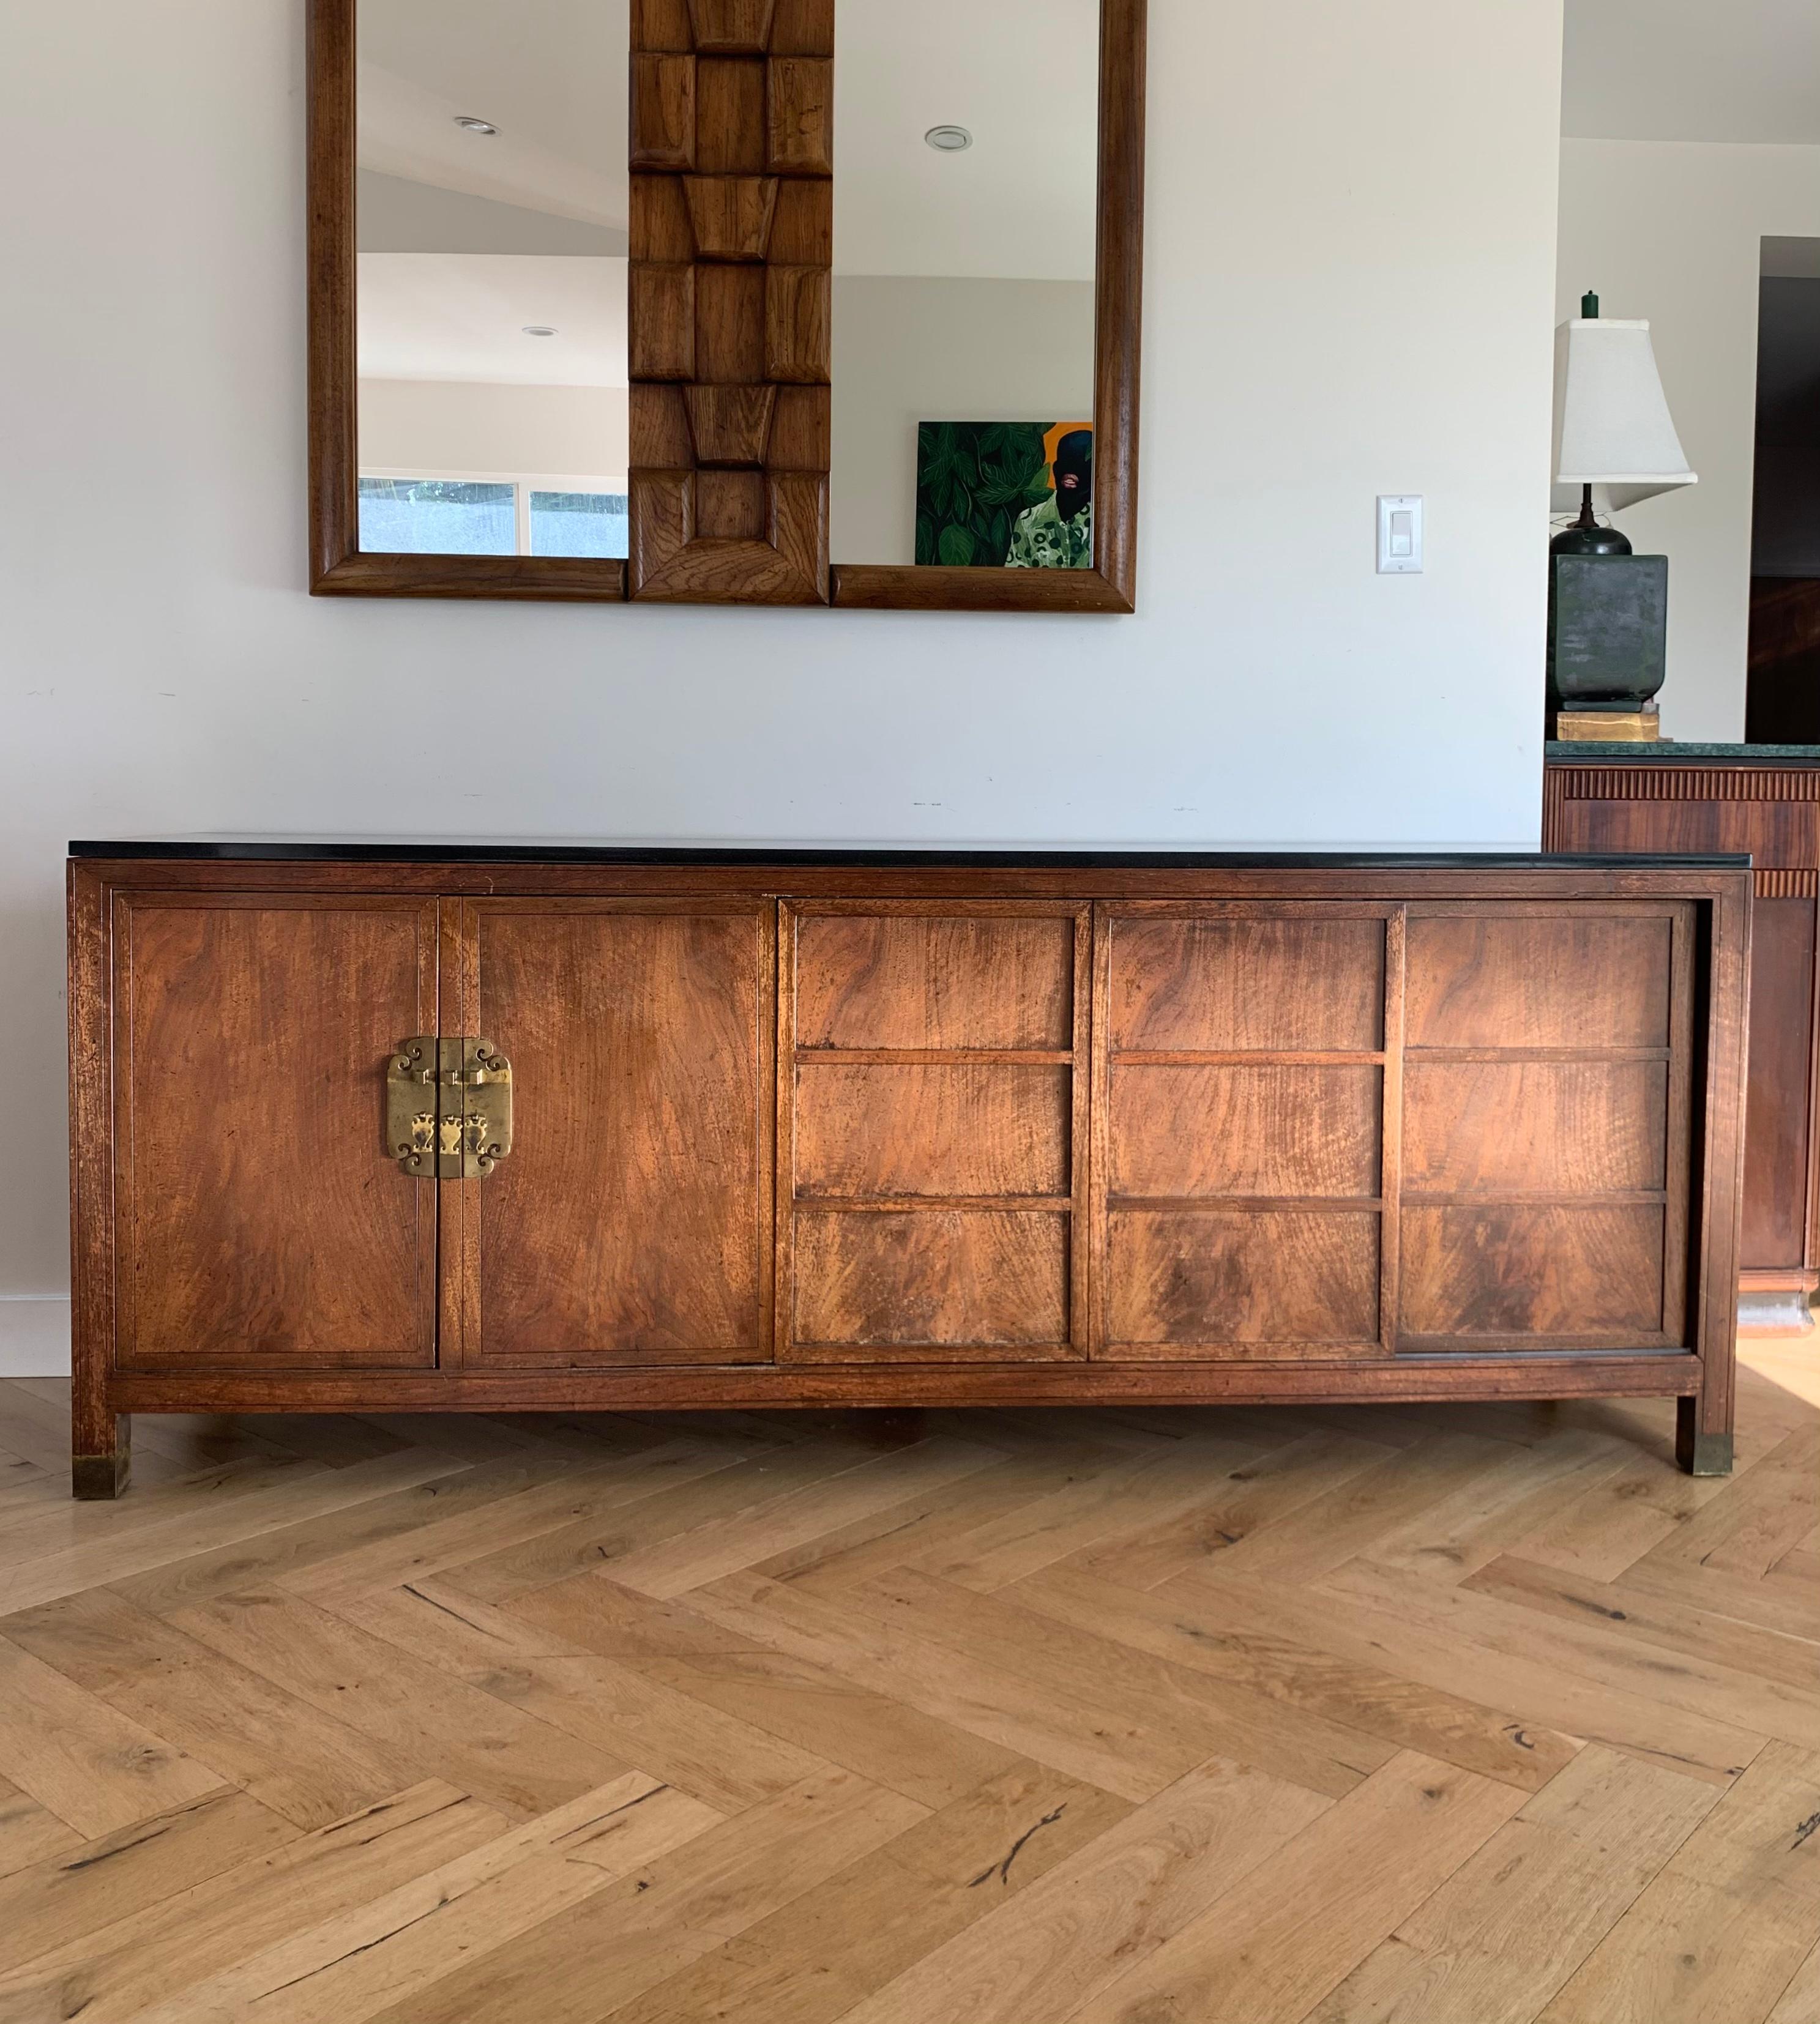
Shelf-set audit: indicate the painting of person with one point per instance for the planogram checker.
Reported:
(1057, 532)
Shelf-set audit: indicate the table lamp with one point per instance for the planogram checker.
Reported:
(1607, 609)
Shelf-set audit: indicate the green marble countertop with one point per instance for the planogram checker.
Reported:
(1668, 750)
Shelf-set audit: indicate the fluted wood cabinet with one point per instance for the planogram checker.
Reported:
(1764, 800)
(497, 1130)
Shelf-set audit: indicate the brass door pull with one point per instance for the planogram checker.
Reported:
(447, 1108)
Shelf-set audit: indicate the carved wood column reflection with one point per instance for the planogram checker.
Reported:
(732, 232)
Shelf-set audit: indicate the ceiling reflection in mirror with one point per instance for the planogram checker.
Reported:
(965, 215)
(492, 200)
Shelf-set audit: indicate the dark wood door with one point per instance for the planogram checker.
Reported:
(630, 1223)
(260, 1223)
(932, 1131)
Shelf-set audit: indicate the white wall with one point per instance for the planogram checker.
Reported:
(1672, 231)
(935, 349)
(1351, 258)
(481, 426)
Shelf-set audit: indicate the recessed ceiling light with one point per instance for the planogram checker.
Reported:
(468, 124)
(948, 140)
(540, 330)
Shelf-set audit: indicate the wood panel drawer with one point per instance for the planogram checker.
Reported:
(1510, 1272)
(1527, 980)
(1536, 1126)
(931, 1128)
(944, 981)
(1217, 985)
(1268, 1282)
(947, 1280)
(1245, 1129)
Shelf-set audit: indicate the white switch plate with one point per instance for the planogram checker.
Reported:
(1400, 534)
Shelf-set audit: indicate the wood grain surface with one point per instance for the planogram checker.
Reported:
(1312, 1715)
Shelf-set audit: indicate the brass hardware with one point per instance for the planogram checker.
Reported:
(447, 1108)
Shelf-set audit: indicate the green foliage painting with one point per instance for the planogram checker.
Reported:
(973, 480)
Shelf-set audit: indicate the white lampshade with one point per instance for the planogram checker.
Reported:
(1611, 425)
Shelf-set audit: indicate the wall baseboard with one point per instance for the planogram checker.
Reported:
(34, 1336)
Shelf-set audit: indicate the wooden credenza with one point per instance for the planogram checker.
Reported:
(1764, 800)
(896, 1130)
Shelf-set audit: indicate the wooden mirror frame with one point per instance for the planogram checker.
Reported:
(771, 471)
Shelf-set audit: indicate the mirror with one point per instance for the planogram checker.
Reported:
(784, 302)
(491, 198)
(965, 209)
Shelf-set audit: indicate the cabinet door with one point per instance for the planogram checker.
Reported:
(630, 1224)
(260, 1223)
(1547, 1068)
(933, 1132)
(1240, 1073)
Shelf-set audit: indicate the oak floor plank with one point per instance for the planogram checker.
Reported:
(1721, 1932)
(156, 1954)
(812, 1960)
(29, 1832)
(1534, 1691)
(1515, 1920)
(106, 1880)
(417, 1716)
(1313, 1538)
(876, 1735)
(1151, 1490)
(259, 1504)
(982, 1718)
(1209, 1716)
(1044, 1720)
(1599, 1651)
(83, 1760)
(273, 1557)
(375, 1953)
(1403, 1713)
(592, 1958)
(1671, 1626)
(1296, 1925)
(1104, 1909)
(1239, 1494)
(559, 1497)
(724, 1544)
(887, 1538)
(309, 1766)
(1773, 1508)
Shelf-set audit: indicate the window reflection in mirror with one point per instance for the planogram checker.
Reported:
(492, 207)
(966, 144)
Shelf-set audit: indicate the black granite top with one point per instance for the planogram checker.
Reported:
(569, 850)
(1668, 751)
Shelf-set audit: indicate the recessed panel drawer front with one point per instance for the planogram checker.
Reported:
(1265, 1283)
(927, 1280)
(1536, 1126)
(934, 1128)
(1242, 1175)
(261, 1223)
(1238, 1129)
(1218, 984)
(1509, 1270)
(1578, 979)
(914, 980)
(931, 1128)
(1545, 1127)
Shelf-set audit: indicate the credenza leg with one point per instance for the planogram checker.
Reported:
(98, 1477)
(1701, 1448)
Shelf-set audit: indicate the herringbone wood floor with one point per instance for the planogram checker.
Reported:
(1470, 1715)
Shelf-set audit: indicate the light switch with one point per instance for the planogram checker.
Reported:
(1400, 534)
